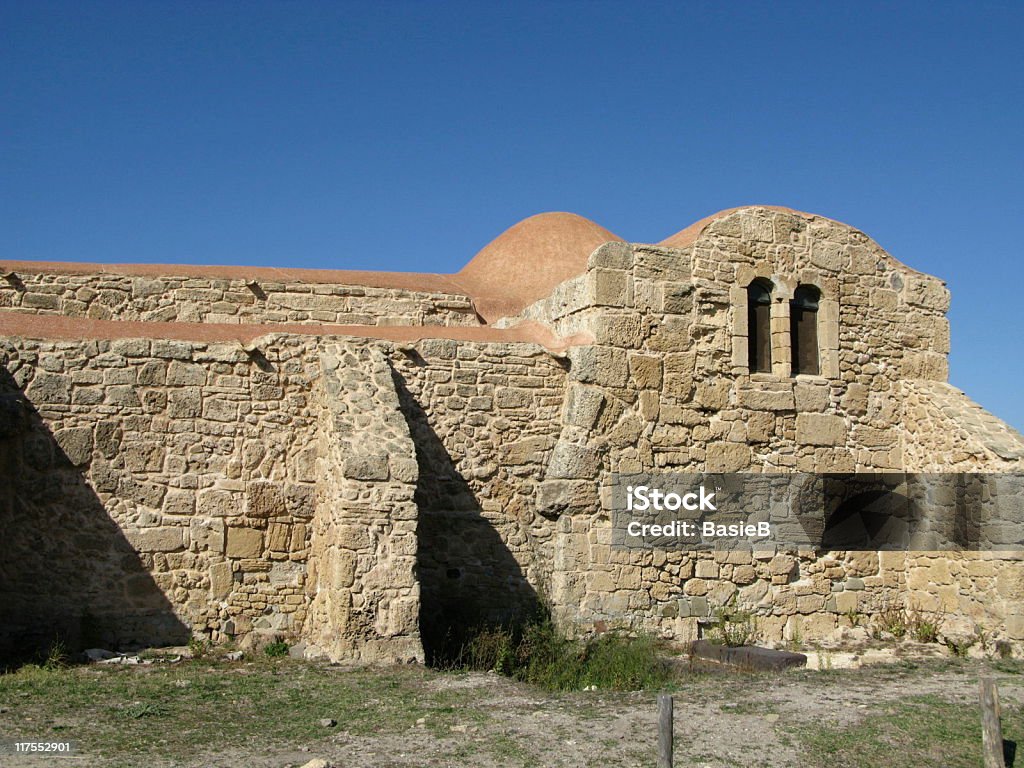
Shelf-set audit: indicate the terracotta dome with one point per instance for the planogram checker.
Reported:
(525, 262)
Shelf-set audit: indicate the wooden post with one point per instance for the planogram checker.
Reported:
(665, 705)
(991, 732)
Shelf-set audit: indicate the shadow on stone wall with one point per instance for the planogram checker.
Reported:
(67, 571)
(468, 578)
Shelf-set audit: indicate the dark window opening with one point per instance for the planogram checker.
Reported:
(759, 336)
(803, 329)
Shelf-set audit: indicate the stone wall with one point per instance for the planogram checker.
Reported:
(228, 300)
(372, 499)
(195, 488)
(484, 418)
(362, 583)
(200, 458)
(666, 387)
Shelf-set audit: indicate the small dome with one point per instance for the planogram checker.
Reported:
(525, 262)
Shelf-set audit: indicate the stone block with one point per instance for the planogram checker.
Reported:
(829, 255)
(529, 450)
(207, 534)
(185, 374)
(645, 371)
(744, 574)
(612, 255)
(404, 469)
(301, 499)
(677, 298)
(216, 409)
(179, 501)
(820, 429)
(166, 539)
(278, 537)
(222, 580)
(50, 388)
(123, 395)
(264, 498)
(184, 403)
(845, 601)
(217, 503)
(713, 394)
(602, 365)
(367, 468)
(678, 386)
(812, 398)
(619, 330)
(244, 542)
(76, 443)
(760, 426)
(727, 457)
(707, 569)
(571, 461)
(766, 399)
(610, 287)
(558, 497)
(782, 565)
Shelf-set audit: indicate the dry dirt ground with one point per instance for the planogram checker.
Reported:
(418, 717)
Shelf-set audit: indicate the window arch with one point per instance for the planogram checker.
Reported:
(803, 329)
(759, 336)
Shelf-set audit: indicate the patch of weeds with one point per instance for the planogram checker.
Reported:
(854, 616)
(796, 640)
(888, 620)
(924, 626)
(825, 660)
(56, 656)
(198, 647)
(277, 649)
(959, 647)
(732, 626)
(538, 653)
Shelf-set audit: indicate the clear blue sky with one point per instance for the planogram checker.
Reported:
(405, 136)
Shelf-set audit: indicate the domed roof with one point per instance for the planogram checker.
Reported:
(525, 262)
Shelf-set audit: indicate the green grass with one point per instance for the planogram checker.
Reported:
(921, 730)
(138, 715)
(129, 713)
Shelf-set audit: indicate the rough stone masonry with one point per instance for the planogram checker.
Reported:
(365, 464)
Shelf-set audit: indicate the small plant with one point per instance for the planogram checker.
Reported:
(825, 660)
(731, 626)
(983, 638)
(891, 621)
(796, 639)
(924, 626)
(56, 656)
(854, 616)
(959, 647)
(198, 647)
(276, 649)
(490, 649)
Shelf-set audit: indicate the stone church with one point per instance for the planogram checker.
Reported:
(364, 464)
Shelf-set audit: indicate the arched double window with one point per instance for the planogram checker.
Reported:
(803, 329)
(759, 334)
